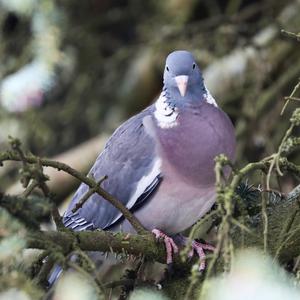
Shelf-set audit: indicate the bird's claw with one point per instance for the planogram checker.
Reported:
(171, 248)
(170, 245)
(199, 249)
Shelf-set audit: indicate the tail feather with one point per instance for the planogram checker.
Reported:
(54, 275)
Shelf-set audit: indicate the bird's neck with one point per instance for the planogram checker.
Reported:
(193, 96)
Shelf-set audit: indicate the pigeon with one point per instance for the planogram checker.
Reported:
(160, 162)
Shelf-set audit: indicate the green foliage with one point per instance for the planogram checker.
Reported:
(250, 197)
(12, 238)
(295, 119)
(31, 210)
(14, 282)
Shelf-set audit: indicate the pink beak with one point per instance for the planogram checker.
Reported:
(182, 81)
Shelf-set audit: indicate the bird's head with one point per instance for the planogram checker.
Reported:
(183, 78)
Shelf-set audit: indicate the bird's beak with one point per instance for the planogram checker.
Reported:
(182, 82)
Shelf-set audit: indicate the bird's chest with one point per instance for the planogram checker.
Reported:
(176, 206)
(191, 146)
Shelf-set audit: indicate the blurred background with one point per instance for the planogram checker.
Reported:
(72, 71)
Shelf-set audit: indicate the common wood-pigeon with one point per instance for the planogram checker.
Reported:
(160, 162)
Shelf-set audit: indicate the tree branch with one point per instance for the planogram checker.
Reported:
(31, 159)
(102, 241)
(105, 241)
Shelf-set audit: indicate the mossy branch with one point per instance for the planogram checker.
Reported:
(145, 245)
(31, 159)
(105, 241)
(31, 211)
(100, 240)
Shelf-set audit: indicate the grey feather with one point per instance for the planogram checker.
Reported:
(128, 156)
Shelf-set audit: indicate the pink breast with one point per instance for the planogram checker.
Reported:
(200, 136)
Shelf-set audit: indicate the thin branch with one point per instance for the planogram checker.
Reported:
(261, 165)
(242, 226)
(57, 218)
(103, 241)
(290, 34)
(88, 194)
(289, 97)
(29, 189)
(292, 98)
(277, 156)
(31, 159)
(265, 221)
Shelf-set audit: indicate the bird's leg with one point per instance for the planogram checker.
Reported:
(171, 247)
(199, 249)
(196, 247)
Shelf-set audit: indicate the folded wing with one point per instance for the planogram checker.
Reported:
(133, 169)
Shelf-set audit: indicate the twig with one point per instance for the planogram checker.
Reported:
(29, 189)
(57, 218)
(289, 97)
(261, 165)
(265, 221)
(216, 255)
(242, 226)
(276, 156)
(292, 98)
(291, 34)
(16, 146)
(225, 198)
(39, 180)
(193, 281)
(87, 195)
(8, 155)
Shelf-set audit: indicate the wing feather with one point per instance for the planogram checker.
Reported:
(133, 169)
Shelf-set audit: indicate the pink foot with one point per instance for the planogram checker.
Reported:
(171, 247)
(199, 249)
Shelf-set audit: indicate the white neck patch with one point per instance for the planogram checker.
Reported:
(165, 115)
(209, 98)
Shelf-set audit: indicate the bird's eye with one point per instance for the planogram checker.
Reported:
(167, 68)
(194, 66)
